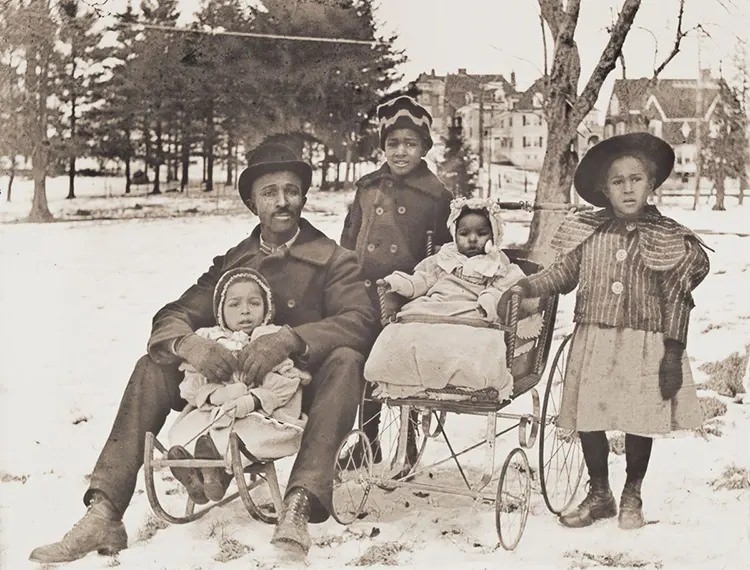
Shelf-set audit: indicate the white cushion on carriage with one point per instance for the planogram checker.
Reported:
(419, 356)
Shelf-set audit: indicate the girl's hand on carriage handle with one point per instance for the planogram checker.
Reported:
(226, 393)
(670, 370)
(384, 284)
(398, 284)
(268, 351)
(208, 357)
(520, 287)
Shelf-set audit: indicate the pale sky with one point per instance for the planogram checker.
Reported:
(500, 36)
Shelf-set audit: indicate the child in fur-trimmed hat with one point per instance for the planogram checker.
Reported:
(396, 207)
(267, 417)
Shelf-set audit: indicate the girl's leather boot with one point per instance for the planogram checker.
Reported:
(598, 504)
(631, 505)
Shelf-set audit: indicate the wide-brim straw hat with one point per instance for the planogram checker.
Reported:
(589, 177)
(273, 157)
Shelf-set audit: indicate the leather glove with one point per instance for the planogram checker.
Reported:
(241, 407)
(264, 353)
(208, 357)
(670, 369)
(504, 302)
(228, 392)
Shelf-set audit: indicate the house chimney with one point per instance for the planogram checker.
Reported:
(462, 71)
(433, 72)
(513, 79)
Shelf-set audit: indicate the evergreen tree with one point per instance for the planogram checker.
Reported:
(725, 145)
(457, 169)
(80, 39)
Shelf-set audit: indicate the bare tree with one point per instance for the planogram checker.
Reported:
(565, 108)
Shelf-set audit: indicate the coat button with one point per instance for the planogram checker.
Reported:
(368, 283)
(394, 248)
(370, 247)
(630, 226)
(621, 255)
(388, 183)
(291, 303)
(379, 211)
(401, 209)
(617, 288)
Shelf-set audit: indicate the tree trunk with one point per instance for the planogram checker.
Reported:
(71, 178)
(720, 180)
(230, 160)
(72, 161)
(40, 143)
(743, 184)
(185, 164)
(209, 150)
(158, 156)
(127, 175)
(10, 178)
(347, 172)
(338, 175)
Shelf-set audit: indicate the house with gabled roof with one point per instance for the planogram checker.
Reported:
(667, 108)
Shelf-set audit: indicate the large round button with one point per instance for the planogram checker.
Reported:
(394, 248)
(617, 288)
(388, 183)
(630, 226)
(379, 211)
(401, 209)
(291, 303)
(368, 283)
(621, 255)
(370, 247)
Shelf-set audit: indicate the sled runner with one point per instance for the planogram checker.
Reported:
(398, 458)
(257, 484)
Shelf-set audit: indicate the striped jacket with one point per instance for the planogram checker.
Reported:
(632, 274)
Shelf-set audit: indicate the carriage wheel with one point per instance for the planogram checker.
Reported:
(351, 478)
(386, 420)
(261, 496)
(513, 499)
(560, 453)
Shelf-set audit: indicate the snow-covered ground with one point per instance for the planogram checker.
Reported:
(76, 299)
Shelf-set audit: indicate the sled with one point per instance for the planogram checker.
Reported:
(253, 481)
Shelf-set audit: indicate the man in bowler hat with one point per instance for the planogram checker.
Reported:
(329, 322)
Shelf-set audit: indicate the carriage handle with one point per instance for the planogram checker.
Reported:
(511, 321)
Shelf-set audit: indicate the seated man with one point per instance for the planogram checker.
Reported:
(330, 323)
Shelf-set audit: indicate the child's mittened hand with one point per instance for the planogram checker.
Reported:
(399, 284)
(226, 393)
(240, 407)
(670, 369)
(504, 302)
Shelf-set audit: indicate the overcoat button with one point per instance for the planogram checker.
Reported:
(370, 247)
(368, 283)
(291, 303)
(394, 248)
(617, 288)
(621, 255)
(388, 183)
(379, 211)
(630, 226)
(401, 209)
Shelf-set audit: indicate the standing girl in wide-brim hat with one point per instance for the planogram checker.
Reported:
(635, 270)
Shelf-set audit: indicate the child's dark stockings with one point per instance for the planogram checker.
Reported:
(596, 453)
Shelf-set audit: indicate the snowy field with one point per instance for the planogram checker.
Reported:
(76, 301)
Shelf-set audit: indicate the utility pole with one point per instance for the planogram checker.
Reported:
(481, 134)
(698, 128)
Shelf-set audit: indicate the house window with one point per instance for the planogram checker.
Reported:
(524, 142)
(502, 123)
(510, 121)
(523, 121)
(614, 106)
(620, 128)
(541, 142)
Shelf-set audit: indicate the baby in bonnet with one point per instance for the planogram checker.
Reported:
(268, 417)
(442, 336)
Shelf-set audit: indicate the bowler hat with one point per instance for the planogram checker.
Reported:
(273, 157)
(588, 177)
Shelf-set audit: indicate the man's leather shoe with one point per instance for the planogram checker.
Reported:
(99, 530)
(291, 532)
